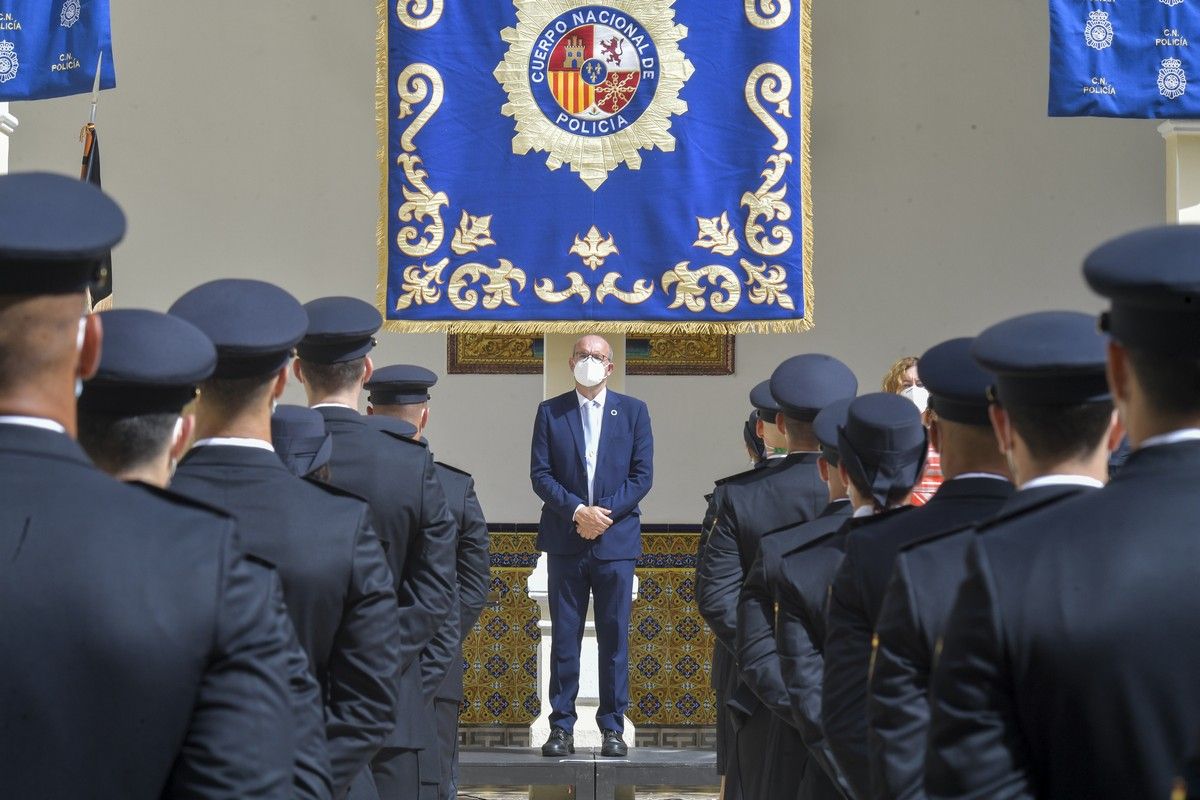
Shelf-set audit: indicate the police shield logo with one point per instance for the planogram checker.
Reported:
(1172, 82)
(8, 62)
(69, 14)
(1098, 32)
(592, 85)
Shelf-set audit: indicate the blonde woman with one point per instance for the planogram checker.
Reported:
(903, 379)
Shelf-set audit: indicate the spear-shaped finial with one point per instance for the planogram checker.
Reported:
(96, 87)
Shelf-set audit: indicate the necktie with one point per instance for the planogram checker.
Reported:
(591, 442)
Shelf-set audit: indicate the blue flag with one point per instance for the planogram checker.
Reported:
(622, 165)
(1125, 58)
(49, 48)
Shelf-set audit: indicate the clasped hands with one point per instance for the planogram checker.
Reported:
(591, 521)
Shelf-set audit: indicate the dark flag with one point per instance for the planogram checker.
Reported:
(90, 172)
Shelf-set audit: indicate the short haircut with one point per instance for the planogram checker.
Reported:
(1171, 384)
(330, 378)
(800, 434)
(231, 396)
(36, 334)
(893, 380)
(1060, 433)
(117, 443)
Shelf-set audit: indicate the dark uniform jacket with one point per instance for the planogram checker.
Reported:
(397, 477)
(474, 583)
(311, 778)
(143, 657)
(749, 505)
(758, 654)
(803, 591)
(1070, 661)
(917, 602)
(856, 595)
(336, 584)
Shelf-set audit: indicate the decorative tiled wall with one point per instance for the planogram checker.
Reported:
(670, 647)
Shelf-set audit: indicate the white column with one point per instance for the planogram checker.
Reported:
(1182, 139)
(557, 378)
(8, 124)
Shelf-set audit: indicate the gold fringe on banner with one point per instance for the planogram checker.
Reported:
(771, 326)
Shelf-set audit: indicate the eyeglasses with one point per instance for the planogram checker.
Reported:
(592, 356)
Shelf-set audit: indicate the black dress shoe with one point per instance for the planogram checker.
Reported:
(560, 743)
(614, 745)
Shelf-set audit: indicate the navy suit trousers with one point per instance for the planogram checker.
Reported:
(572, 577)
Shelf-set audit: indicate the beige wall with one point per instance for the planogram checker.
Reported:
(241, 141)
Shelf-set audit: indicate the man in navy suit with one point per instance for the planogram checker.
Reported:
(591, 463)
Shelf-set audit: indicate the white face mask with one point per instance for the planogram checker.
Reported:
(589, 372)
(919, 395)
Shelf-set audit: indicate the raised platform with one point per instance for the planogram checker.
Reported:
(591, 776)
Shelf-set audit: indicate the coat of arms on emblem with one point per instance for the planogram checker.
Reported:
(8, 62)
(591, 85)
(1098, 32)
(1172, 82)
(69, 14)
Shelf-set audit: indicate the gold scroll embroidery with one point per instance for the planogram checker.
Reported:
(545, 290)
(416, 84)
(419, 14)
(497, 289)
(692, 295)
(768, 14)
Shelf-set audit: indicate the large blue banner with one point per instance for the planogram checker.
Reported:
(620, 165)
(49, 48)
(1124, 58)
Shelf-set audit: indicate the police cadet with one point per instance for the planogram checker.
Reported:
(335, 578)
(398, 478)
(756, 448)
(976, 483)
(1070, 657)
(1053, 417)
(724, 672)
(301, 441)
(132, 426)
(400, 393)
(758, 656)
(881, 451)
(143, 656)
(749, 505)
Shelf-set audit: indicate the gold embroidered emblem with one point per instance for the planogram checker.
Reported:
(594, 248)
(591, 85)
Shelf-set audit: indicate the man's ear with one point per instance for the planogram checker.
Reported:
(823, 468)
(424, 418)
(781, 424)
(1117, 371)
(1001, 427)
(759, 427)
(935, 434)
(843, 473)
(368, 370)
(299, 373)
(181, 444)
(280, 383)
(93, 340)
(1116, 432)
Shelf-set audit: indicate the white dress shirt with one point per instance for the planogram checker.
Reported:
(1062, 480)
(234, 441)
(32, 422)
(1174, 437)
(591, 413)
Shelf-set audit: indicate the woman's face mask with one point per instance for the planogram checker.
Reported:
(919, 395)
(590, 372)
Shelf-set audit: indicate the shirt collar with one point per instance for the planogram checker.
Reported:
(334, 405)
(234, 441)
(991, 475)
(32, 422)
(864, 511)
(1062, 480)
(600, 398)
(1173, 437)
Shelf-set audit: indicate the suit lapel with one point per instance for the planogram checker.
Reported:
(575, 422)
(608, 423)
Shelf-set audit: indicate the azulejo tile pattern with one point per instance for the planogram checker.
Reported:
(670, 648)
